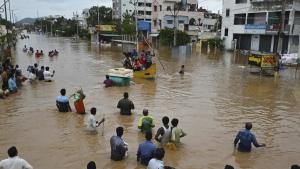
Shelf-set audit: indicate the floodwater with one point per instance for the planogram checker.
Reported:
(213, 100)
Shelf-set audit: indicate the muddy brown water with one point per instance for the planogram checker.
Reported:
(213, 100)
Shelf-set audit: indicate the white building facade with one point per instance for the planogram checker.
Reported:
(188, 18)
(254, 25)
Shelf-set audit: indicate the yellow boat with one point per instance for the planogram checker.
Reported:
(149, 73)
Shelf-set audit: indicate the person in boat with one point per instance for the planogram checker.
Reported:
(108, 82)
(181, 70)
(136, 65)
(14, 161)
(62, 102)
(146, 123)
(142, 60)
(245, 139)
(163, 134)
(128, 63)
(40, 74)
(148, 59)
(125, 105)
(176, 132)
(118, 146)
(134, 54)
(12, 85)
(48, 75)
(92, 123)
(146, 149)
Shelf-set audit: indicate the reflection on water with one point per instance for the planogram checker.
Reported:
(212, 101)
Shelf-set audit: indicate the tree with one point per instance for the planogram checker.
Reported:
(105, 15)
(166, 36)
(128, 24)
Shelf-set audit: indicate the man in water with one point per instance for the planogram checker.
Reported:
(91, 165)
(92, 123)
(108, 82)
(14, 161)
(125, 105)
(228, 167)
(62, 102)
(12, 85)
(163, 134)
(118, 146)
(48, 75)
(146, 123)
(181, 70)
(146, 149)
(246, 138)
(40, 74)
(156, 162)
(177, 132)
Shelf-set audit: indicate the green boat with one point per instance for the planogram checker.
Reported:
(120, 76)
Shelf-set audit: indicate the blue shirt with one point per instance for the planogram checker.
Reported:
(118, 148)
(12, 85)
(145, 152)
(246, 138)
(62, 99)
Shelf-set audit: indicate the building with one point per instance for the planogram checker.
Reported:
(84, 15)
(121, 7)
(187, 17)
(255, 24)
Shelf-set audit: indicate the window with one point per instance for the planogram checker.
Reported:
(148, 4)
(169, 21)
(160, 7)
(140, 4)
(168, 8)
(240, 19)
(148, 12)
(130, 10)
(159, 23)
(227, 12)
(226, 32)
(181, 21)
(240, 1)
(124, 4)
(155, 22)
(155, 8)
(141, 12)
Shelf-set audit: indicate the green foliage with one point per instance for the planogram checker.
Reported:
(167, 37)
(128, 24)
(216, 42)
(105, 16)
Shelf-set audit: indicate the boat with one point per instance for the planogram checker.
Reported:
(120, 76)
(148, 73)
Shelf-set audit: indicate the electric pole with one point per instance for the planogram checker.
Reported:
(281, 30)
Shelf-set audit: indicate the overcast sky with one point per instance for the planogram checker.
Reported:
(32, 8)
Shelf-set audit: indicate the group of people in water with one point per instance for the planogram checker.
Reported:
(39, 53)
(137, 63)
(42, 74)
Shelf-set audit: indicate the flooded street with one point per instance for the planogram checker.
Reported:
(212, 100)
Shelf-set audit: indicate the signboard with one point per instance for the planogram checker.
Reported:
(268, 61)
(255, 28)
(106, 28)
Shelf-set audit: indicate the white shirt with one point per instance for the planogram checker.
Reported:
(15, 163)
(91, 123)
(47, 75)
(155, 164)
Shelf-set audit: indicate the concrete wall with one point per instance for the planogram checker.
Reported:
(255, 42)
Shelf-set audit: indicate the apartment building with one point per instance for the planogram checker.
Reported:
(255, 25)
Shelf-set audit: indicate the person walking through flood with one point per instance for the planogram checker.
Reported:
(163, 134)
(246, 138)
(181, 70)
(92, 123)
(125, 105)
(48, 75)
(146, 149)
(177, 132)
(118, 146)
(14, 161)
(62, 102)
(12, 85)
(146, 122)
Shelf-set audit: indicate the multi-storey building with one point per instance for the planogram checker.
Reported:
(255, 25)
(187, 17)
